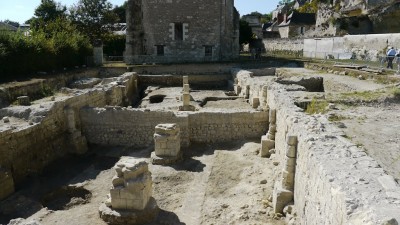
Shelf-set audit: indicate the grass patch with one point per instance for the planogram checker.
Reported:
(316, 107)
(365, 95)
(337, 118)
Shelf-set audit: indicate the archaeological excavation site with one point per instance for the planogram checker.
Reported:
(212, 143)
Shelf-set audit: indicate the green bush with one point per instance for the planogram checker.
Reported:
(56, 46)
(114, 45)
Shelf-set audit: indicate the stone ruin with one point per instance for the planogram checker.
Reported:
(130, 200)
(186, 97)
(167, 144)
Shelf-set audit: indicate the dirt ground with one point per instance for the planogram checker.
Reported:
(215, 184)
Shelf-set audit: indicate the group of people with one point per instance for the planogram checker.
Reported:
(392, 54)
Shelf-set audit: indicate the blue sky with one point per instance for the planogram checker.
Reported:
(22, 10)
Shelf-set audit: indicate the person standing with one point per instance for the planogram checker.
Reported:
(390, 54)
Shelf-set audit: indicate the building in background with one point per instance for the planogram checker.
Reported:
(168, 31)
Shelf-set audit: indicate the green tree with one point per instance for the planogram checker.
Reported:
(245, 32)
(49, 10)
(92, 17)
(120, 11)
(12, 23)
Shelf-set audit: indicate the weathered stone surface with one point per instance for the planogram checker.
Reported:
(185, 80)
(281, 198)
(266, 146)
(167, 140)
(181, 32)
(24, 100)
(130, 197)
(135, 217)
(6, 184)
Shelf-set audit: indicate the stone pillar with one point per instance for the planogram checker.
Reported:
(185, 80)
(283, 191)
(77, 141)
(134, 31)
(98, 53)
(130, 200)
(236, 87)
(24, 100)
(186, 97)
(6, 183)
(268, 141)
(167, 144)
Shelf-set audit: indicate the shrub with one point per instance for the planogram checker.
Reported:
(52, 47)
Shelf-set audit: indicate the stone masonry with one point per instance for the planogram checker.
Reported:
(181, 31)
(130, 200)
(167, 144)
(335, 182)
(268, 141)
(283, 192)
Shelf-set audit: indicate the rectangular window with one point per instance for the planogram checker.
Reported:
(160, 50)
(179, 31)
(207, 51)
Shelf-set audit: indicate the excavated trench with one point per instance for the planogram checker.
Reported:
(219, 182)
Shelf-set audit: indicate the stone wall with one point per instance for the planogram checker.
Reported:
(40, 133)
(135, 127)
(286, 46)
(367, 47)
(201, 23)
(335, 182)
(184, 69)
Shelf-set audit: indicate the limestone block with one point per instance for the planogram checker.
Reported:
(24, 100)
(272, 116)
(247, 93)
(291, 151)
(132, 186)
(185, 80)
(290, 164)
(288, 180)
(280, 198)
(186, 88)
(6, 184)
(255, 102)
(272, 129)
(237, 89)
(167, 140)
(186, 99)
(291, 140)
(266, 146)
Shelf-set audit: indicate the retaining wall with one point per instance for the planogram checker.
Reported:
(284, 45)
(335, 182)
(40, 133)
(135, 127)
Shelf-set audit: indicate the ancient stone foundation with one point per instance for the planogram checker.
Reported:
(130, 200)
(186, 97)
(6, 183)
(167, 144)
(283, 191)
(268, 141)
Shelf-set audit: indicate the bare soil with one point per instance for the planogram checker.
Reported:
(215, 184)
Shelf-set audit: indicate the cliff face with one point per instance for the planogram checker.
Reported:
(386, 19)
(340, 17)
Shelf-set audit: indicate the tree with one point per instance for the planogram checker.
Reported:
(92, 17)
(12, 23)
(49, 10)
(120, 11)
(245, 32)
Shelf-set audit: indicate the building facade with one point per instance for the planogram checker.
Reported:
(167, 31)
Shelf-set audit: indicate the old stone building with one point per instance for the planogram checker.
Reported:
(181, 31)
